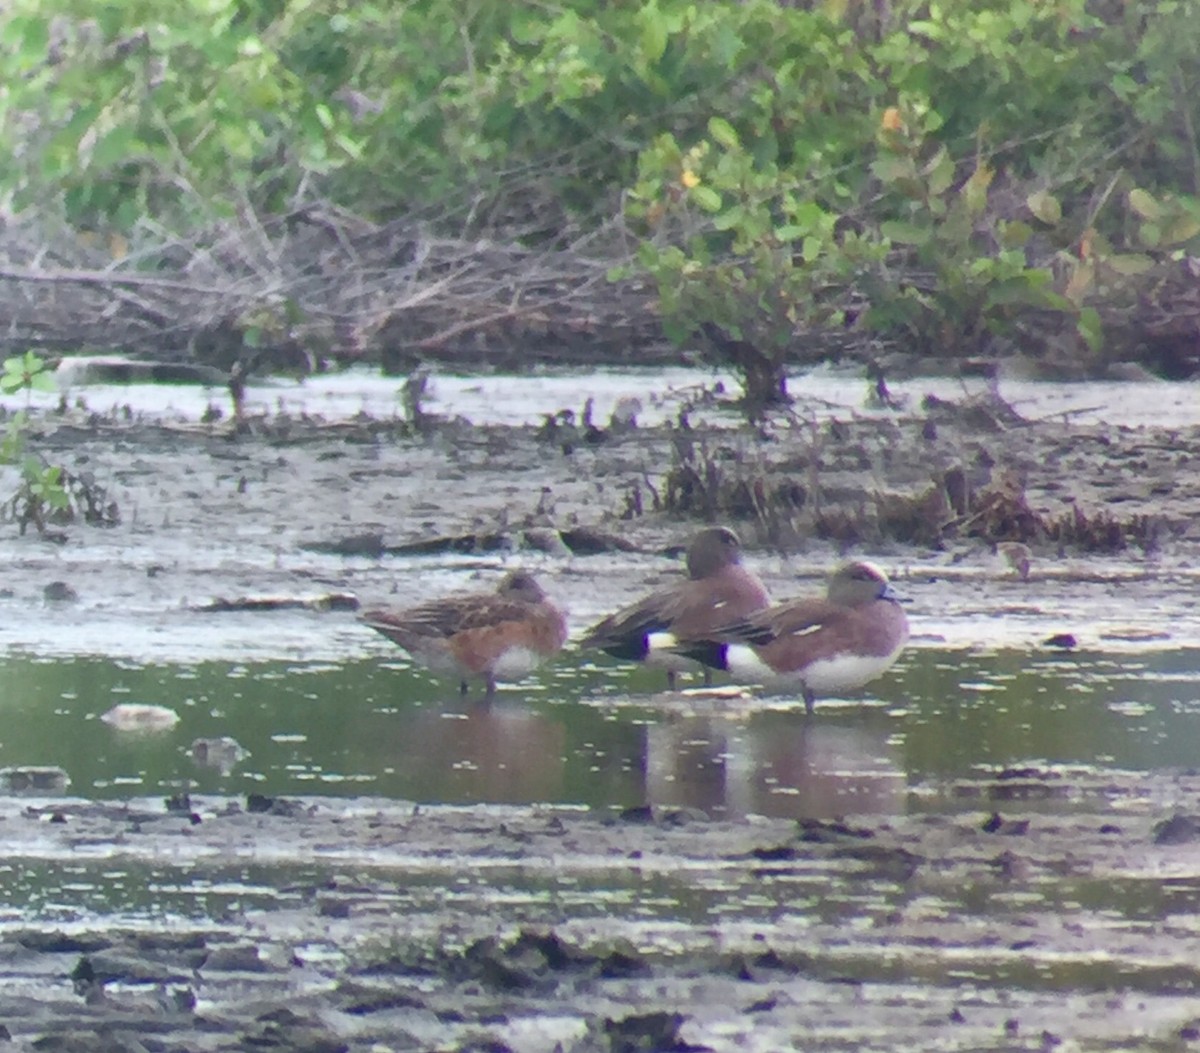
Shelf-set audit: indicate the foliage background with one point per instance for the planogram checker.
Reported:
(795, 180)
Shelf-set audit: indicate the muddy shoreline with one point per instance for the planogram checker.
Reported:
(1058, 912)
(1052, 911)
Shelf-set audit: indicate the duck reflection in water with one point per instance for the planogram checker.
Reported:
(800, 770)
(490, 754)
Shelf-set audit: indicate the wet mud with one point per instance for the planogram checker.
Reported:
(1036, 909)
(1057, 911)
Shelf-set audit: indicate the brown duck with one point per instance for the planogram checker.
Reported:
(501, 635)
(820, 646)
(718, 590)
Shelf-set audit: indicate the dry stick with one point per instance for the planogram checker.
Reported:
(1064, 414)
(440, 339)
(105, 279)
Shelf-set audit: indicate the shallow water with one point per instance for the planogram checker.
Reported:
(322, 706)
(595, 734)
(527, 399)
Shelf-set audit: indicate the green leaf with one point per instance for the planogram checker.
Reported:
(723, 132)
(1143, 203)
(1182, 228)
(1054, 300)
(940, 172)
(1129, 263)
(1045, 207)
(902, 233)
(1090, 328)
(732, 219)
(655, 34)
(893, 169)
(28, 36)
(1015, 234)
(975, 190)
(113, 149)
(929, 29)
(706, 197)
(1125, 87)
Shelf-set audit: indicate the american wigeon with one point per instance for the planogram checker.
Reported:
(501, 635)
(718, 590)
(821, 646)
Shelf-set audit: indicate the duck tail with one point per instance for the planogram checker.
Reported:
(711, 653)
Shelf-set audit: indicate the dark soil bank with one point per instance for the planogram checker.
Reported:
(189, 511)
(1058, 911)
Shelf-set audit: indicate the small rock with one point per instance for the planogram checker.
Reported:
(223, 753)
(996, 824)
(236, 958)
(640, 813)
(261, 804)
(1011, 866)
(59, 592)
(1018, 557)
(820, 831)
(179, 802)
(1065, 641)
(140, 716)
(589, 541)
(117, 965)
(63, 943)
(544, 539)
(34, 779)
(1178, 830)
(625, 413)
(368, 544)
(620, 964)
(774, 853)
(647, 1031)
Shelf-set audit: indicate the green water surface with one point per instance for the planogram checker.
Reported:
(598, 735)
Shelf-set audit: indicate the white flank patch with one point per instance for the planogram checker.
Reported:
(744, 664)
(659, 655)
(140, 716)
(844, 672)
(516, 663)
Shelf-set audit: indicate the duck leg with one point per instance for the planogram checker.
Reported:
(489, 692)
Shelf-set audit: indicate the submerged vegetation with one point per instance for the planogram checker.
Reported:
(770, 183)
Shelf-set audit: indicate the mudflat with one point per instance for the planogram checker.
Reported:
(1046, 908)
